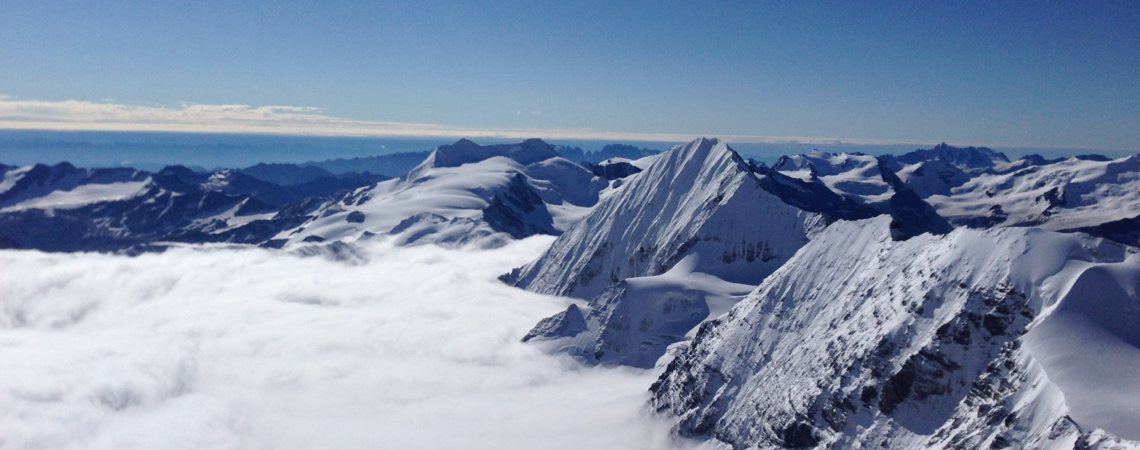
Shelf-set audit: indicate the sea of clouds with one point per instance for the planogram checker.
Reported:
(209, 347)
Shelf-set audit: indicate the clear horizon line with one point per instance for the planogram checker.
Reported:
(194, 118)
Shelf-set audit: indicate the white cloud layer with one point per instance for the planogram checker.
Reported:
(76, 115)
(248, 348)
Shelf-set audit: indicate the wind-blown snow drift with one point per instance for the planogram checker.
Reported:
(247, 348)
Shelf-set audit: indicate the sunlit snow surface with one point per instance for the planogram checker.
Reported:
(82, 196)
(247, 348)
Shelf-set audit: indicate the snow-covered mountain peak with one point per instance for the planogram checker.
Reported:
(464, 193)
(667, 211)
(703, 156)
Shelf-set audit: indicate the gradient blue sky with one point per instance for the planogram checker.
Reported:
(991, 73)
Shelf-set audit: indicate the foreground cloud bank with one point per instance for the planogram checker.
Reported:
(247, 348)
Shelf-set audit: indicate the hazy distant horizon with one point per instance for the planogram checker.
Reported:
(151, 150)
(981, 73)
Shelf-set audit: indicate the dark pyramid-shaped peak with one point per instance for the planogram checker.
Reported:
(911, 215)
(464, 142)
(967, 158)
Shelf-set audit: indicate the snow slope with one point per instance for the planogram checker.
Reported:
(975, 339)
(83, 195)
(24, 185)
(1089, 344)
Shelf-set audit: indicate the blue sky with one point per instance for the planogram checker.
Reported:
(990, 73)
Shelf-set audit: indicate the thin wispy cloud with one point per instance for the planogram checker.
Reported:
(85, 115)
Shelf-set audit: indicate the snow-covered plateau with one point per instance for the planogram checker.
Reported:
(529, 295)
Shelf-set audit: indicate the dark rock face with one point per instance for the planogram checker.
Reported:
(1124, 231)
(519, 211)
(799, 435)
(992, 322)
(912, 215)
(812, 197)
(355, 217)
(620, 151)
(465, 151)
(611, 171)
(569, 322)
